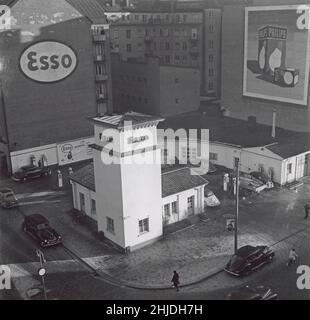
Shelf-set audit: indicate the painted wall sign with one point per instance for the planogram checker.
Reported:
(76, 150)
(48, 61)
(276, 54)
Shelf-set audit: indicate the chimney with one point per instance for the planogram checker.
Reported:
(273, 132)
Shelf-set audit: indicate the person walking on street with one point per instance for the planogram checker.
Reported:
(307, 208)
(175, 280)
(292, 257)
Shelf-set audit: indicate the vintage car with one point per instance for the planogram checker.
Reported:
(37, 226)
(249, 258)
(31, 172)
(210, 199)
(8, 198)
(249, 292)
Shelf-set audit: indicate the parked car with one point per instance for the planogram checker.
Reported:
(248, 259)
(8, 198)
(252, 293)
(31, 172)
(260, 176)
(37, 226)
(212, 168)
(210, 199)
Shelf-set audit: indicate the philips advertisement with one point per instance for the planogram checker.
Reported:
(276, 53)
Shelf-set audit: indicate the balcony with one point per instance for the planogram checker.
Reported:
(148, 39)
(194, 50)
(101, 97)
(99, 37)
(101, 77)
(99, 58)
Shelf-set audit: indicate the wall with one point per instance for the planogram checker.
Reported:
(45, 113)
(225, 154)
(253, 158)
(89, 195)
(290, 116)
(181, 95)
(23, 157)
(181, 199)
(135, 85)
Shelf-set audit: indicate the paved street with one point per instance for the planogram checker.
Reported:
(274, 217)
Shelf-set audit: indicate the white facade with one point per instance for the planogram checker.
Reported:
(127, 211)
(56, 153)
(177, 207)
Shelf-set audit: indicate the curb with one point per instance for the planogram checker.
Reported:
(123, 283)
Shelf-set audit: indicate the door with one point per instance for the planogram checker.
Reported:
(190, 205)
(300, 169)
(82, 202)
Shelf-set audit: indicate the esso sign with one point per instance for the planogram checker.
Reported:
(48, 61)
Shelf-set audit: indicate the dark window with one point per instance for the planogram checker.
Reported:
(128, 48)
(144, 225)
(128, 34)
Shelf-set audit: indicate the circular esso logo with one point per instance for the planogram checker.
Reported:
(48, 61)
(66, 148)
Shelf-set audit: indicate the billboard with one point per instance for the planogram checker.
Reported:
(276, 53)
(73, 151)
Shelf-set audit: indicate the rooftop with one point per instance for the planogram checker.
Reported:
(118, 120)
(173, 181)
(231, 131)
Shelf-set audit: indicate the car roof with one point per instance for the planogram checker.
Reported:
(246, 251)
(5, 190)
(28, 167)
(37, 218)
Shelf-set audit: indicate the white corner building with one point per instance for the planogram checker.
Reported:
(125, 191)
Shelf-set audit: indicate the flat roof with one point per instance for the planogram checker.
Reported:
(228, 130)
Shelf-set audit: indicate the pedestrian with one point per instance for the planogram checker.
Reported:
(307, 208)
(292, 257)
(175, 280)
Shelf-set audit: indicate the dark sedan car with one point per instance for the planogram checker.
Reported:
(252, 293)
(248, 259)
(39, 229)
(8, 198)
(31, 172)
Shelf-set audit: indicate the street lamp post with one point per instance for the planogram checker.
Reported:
(42, 271)
(237, 205)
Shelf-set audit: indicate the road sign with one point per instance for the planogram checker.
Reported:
(230, 224)
(41, 272)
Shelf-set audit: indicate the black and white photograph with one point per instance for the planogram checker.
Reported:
(155, 153)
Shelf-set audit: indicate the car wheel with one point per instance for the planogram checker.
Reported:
(46, 174)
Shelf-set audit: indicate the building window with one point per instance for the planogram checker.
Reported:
(190, 202)
(194, 34)
(289, 168)
(128, 34)
(213, 156)
(115, 34)
(184, 17)
(161, 32)
(110, 225)
(211, 57)
(144, 226)
(136, 17)
(167, 210)
(100, 69)
(184, 46)
(167, 46)
(177, 101)
(167, 59)
(93, 207)
(99, 50)
(177, 57)
(140, 47)
(211, 44)
(177, 18)
(128, 47)
(174, 207)
(144, 17)
(211, 72)
(210, 85)
(211, 28)
(82, 202)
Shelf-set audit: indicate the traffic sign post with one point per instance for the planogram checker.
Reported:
(42, 271)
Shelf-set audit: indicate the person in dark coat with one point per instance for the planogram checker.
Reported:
(307, 208)
(175, 280)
